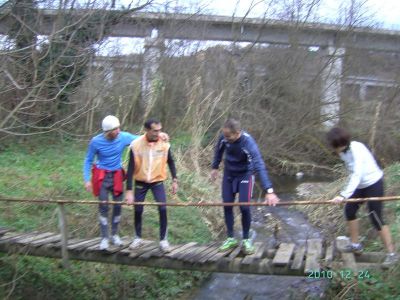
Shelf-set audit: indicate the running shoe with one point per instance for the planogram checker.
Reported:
(164, 246)
(229, 243)
(390, 260)
(247, 247)
(104, 244)
(356, 249)
(116, 240)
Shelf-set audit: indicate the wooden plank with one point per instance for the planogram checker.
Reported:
(259, 251)
(213, 251)
(139, 251)
(349, 261)
(191, 257)
(175, 253)
(83, 244)
(162, 253)
(370, 257)
(283, 255)
(314, 252)
(14, 236)
(4, 230)
(186, 252)
(156, 252)
(298, 259)
(235, 253)
(58, 244)
(329, 254)
(210, 247)
(37, 237)
(51, 239)
(219, 255)
(315, 245)
(200, 252)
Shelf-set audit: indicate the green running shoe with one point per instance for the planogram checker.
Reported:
(229, 243)
(247, 247)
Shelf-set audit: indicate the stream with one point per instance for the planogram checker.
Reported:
(294, 228)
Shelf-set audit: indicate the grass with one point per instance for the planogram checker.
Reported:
(54, 171)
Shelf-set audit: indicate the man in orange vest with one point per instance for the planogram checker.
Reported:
(149, 157)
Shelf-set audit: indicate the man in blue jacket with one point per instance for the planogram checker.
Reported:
(242, 161)
(107, 174)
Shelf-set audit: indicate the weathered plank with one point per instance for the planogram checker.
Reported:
(186, 252)
(139, 251)
(50, 239)
(329, 254)
(259, 251)
(283, 255)
(149, 254)
(198, 253)
(4, 230)
(210, 248)
(370, 257)
(14, 236)
(315, 245)
(213, 251)
(220, 254)
(84, 244)
(235, 253)
(157, 252)
(57, 245)
(174, 253)
(298, 259)
(314, 252)
(37, 237)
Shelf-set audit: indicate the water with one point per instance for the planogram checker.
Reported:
(294, 229)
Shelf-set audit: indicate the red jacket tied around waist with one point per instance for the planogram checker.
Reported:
(98, 177)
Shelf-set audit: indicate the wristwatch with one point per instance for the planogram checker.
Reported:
(270, 191)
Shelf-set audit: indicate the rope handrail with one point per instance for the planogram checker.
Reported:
(200, 203)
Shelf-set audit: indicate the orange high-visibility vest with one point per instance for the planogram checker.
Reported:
(150, 160)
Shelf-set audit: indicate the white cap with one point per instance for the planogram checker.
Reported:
(110, 123)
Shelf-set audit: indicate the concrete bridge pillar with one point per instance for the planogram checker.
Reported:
(331, 86)
(153, 49)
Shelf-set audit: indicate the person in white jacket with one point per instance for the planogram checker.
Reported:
(365, 180)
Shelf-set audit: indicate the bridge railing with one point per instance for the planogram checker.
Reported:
(63, 224)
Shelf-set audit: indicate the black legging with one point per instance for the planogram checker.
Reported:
(374, 207)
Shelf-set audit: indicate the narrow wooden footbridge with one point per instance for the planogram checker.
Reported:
(314, 258)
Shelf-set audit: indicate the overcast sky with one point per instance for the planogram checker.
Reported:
(385, 12)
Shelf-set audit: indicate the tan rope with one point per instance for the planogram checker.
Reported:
(183, 204)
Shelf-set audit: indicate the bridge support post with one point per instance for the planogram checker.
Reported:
(331, 86)
(151, 82)
(64, 234)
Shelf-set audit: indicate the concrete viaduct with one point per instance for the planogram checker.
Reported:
(332, 40)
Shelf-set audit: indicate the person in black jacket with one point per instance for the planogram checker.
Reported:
(242, 161)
